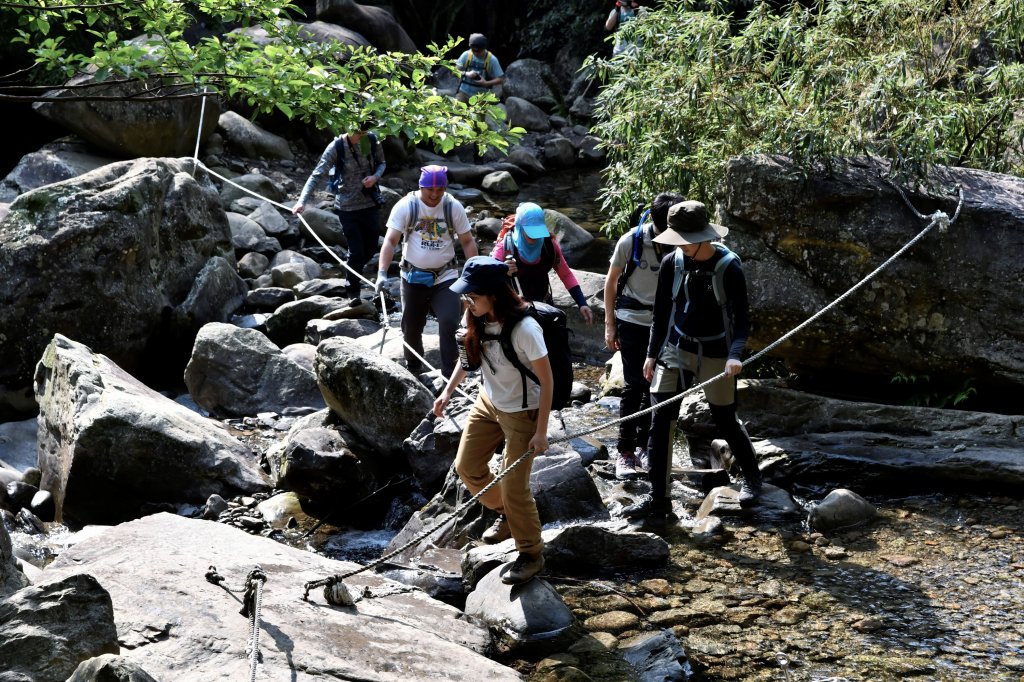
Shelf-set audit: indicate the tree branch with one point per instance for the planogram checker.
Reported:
(50, 8)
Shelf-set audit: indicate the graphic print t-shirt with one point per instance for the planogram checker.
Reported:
(429, 244)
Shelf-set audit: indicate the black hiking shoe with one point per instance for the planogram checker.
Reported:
(523, 569)
(657, 512)
(749, 492)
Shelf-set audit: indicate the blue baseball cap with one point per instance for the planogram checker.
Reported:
(530, 219)
(481, 274)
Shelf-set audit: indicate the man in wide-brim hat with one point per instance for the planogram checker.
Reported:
(696, 334)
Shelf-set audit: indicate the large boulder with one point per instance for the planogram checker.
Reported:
(379, 399)
(131, 123)
(103, 258)
(11, 577)
(532, 80)
(108, 445)
(193, 630)
(54, 162)
(376, 23)
(940, 310)
(240, 372)
(248, 139)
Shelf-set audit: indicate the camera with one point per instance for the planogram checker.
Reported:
(460, 342)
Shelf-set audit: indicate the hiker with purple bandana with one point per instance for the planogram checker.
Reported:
(430, 220)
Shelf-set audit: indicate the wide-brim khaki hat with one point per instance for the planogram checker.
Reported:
(688, 224)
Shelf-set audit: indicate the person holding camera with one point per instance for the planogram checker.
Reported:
(480, 69)
(629, 291)
(624, 12)
(430, 220)
(358, 165)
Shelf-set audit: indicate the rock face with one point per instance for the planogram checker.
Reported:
(104, 258)
(11, 577)
(941, 309)
(376, 23)
(177, 626)
(48, 629)
(108, 444)
(129, 128)
(841, 443)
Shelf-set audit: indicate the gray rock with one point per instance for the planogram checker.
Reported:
(248, 139)
(102, 257)
(110, 668)
(288, 323)
(247, 235)
(269, 298)
(424, 639)
(526, 115)
(527, 161)
(48, 629)
(11, 577)
(656, 656)
(240, 372)
(591, 152)
(532, 80)
(108, 444)
(559, 152)
(216, 294)
(356, 384)
(840, 509)
(325, 225)
(524, 613)
(430, 449)
(500, 182)
(254, 182)
(320, 464)
(564, 490)
(376, 23)
(54, 162)
(252, 265)
(939, 310)
(333, 287)
(319, 330)
(273, 223)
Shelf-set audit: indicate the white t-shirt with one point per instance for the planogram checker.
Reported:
(502, 381)
(429, 243)
(643, 282)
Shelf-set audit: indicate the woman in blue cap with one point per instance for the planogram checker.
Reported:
(500, 413)
(531, 252)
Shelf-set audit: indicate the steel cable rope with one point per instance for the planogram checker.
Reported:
(334, 582)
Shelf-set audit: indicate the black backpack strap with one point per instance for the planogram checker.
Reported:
(634, 259)
(339, 158)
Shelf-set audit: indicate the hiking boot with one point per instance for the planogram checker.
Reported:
(498, 532)
(355, 301)
(625, 466)
(749, 492)
(643, 460)
(523, 568)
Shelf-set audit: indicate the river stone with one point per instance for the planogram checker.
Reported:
(108, 445)
(46, 630)
(198, 628)
(54, 162)
(101, 258)
(288, 323)
(522, 613)
(110, 668)
(840, 509)
(356, 384)
(500, 182)
(217, 293)
(656, 656)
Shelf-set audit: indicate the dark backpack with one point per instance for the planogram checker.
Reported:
(334, 183)
(680, 279)
(555, 326)
(635, 256)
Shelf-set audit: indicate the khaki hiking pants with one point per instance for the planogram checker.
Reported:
(486, 428)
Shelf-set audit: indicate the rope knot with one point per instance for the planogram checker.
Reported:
(941, 220)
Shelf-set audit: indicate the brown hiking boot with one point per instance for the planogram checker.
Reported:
(498, 532)
(525, 567)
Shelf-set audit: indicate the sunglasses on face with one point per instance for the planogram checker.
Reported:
(469, 298)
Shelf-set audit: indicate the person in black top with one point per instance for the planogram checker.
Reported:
(694, 337)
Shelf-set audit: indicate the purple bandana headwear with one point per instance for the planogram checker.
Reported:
(433, 176)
